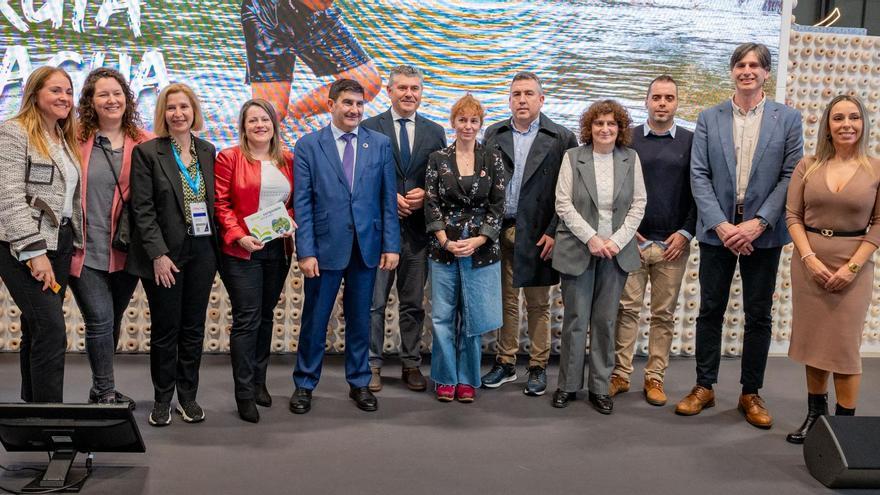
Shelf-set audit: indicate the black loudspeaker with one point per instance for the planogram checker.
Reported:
(844, 451)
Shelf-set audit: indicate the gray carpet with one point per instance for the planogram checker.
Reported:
(504, 443)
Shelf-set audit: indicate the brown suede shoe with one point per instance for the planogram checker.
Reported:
(375, 380)
(756, 413)
(654, 392)
(693, 403)
(618, 385)
(413, 379)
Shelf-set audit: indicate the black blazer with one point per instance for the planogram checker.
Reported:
(449, 207)
(158, 222)
(536, 210)
(429, 138)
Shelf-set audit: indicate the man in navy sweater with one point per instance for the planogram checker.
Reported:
(664, 237)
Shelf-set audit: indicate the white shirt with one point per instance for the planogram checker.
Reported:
(274, 186)
(71, 176)
(604, 170)
(410, 129)
(340, 145)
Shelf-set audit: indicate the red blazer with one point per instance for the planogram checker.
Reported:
(237, 195)
(117, 258)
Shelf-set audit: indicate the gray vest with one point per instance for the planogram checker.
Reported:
(570, 255)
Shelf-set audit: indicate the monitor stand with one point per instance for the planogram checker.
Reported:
(55, 477)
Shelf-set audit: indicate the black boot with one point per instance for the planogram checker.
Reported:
(817, 405)
(843, 411)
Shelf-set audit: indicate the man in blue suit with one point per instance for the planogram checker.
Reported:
(345, 199)
(743, 154)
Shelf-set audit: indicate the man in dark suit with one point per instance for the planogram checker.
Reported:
(744, 152)
(413, 138)
(532, 147)
(347, 172)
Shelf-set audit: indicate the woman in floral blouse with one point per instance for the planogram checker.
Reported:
(463, 209)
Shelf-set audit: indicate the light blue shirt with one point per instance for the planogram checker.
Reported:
(340, 143)
(671, 131)
(522, 143)
(687, 235)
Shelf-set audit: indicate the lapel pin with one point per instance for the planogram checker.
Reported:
(366, 145)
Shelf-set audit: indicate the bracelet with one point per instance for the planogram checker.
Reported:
(445, 243)
(804, 257)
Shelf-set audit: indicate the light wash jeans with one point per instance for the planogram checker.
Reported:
(465, 304)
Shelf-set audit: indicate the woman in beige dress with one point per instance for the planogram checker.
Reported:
(832, 203)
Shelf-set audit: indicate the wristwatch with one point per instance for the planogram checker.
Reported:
(853, 267)
(763, 223)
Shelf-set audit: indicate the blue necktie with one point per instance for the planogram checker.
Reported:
(405, 153)
(348, 158)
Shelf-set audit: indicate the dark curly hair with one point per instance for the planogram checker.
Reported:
(88, 117)
(603, 107)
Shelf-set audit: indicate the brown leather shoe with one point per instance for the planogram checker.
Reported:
(618, 385)
(414, 380)
(654, 392)
(375, 380)
(693, 403)
(756, 413)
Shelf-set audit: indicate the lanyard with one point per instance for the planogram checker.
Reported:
(193, 182)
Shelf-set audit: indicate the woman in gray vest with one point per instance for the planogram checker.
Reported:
(600, 200)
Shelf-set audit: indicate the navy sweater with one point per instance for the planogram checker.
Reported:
(666, 169)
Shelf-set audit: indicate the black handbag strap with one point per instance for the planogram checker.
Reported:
(98, 140)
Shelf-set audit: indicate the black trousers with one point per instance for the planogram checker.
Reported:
(177, 319)
(43, 333)
(758, 272)
(253, 286)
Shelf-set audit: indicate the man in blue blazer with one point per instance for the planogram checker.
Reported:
(743, 154)
(345, 199)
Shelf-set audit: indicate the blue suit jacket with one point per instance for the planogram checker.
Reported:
(713, 171)
(330, 214)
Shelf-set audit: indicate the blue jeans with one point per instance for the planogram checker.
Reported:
(464, 302)
(102, 298)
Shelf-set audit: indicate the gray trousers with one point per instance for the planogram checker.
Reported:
(411, 275)
(590, 301)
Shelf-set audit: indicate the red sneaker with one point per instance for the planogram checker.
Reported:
(465, 393)
(445, 393)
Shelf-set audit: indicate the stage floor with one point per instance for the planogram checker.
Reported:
(504, 443)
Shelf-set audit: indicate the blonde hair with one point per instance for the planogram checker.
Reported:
(825, 150)
(160, 126)
(275, 149)
(29, 115)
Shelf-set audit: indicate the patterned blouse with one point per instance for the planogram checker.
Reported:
(192, 169)
(465, 213)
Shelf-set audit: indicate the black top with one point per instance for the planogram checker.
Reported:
(157, 203)
(666, 169)
(463, 211)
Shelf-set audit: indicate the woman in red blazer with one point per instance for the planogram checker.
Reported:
(250, 177)
(110, 127)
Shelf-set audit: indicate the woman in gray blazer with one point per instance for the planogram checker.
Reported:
(40, 224)
(600, 200)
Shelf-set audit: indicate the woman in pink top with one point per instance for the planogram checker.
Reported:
(110, 127)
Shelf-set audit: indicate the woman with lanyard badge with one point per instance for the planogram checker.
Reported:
(173, 248)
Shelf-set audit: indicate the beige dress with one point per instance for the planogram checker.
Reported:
(827, 326)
